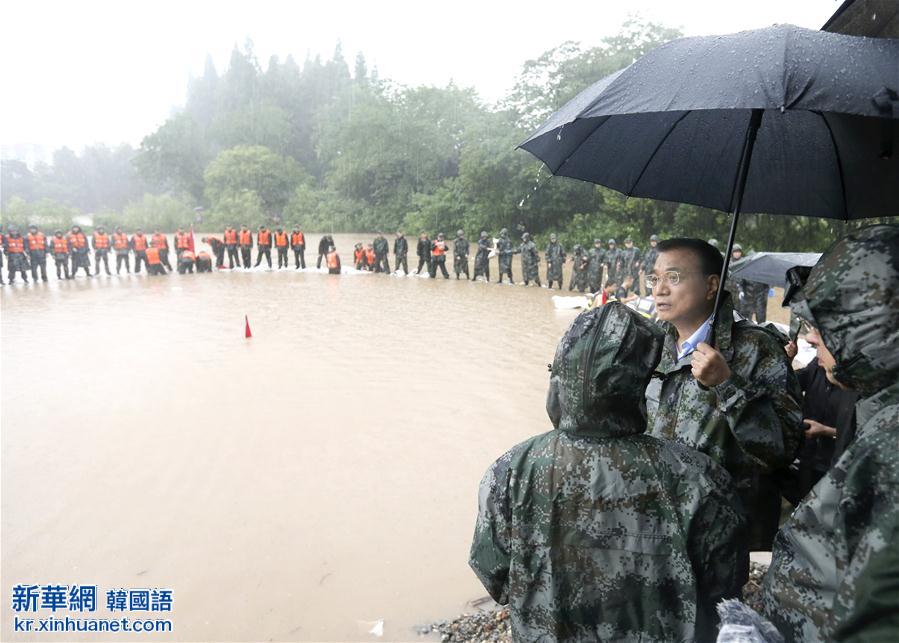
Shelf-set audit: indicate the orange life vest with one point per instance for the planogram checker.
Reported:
(333, 260)
(15, 245)
(246, 238)
(281, 239)
(182, 241)
(370, 256)
(264, 238)
(187, 255)
(60, 246)
(153, 256)
(297, 239)
(139, 242)
(37, 241)
(439, 248)
(202, 255)
(101, 241)
(78, 240)
(119, 240)
(230, 237)
(159, 241)
(359, 255)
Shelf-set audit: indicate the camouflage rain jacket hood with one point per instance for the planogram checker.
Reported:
(595, 530)
(827, 547)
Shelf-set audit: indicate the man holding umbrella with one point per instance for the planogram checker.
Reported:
(737, 402)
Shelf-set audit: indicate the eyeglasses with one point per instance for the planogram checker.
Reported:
(673, 278)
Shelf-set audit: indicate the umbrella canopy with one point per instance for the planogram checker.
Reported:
(673, 125)
(771, 267)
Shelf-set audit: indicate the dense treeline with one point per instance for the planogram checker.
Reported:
(335, 149)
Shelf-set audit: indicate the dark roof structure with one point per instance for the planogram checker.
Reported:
(872, 18)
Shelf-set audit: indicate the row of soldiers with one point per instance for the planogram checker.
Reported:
(620, 265)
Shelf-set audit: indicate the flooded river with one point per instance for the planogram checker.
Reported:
(299, 485)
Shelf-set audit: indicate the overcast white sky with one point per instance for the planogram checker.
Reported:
(82, 71)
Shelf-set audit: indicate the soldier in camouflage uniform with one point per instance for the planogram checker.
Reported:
(738, 402)
(382, 248)
(823, 568)
(460, 254)
(530, 260)
(630, 259)
(595, 261)
(595, 530)
(612, 261)
(579, 262)
(482, 258)
(504, 253)
(649, 258)
(555, 261)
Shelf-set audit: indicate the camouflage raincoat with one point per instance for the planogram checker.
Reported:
(750, 424)
(818, 585)
(595, 530)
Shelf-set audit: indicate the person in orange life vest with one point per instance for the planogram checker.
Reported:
(230, 237)
(359, 257)
(161, 243)
(333, 261)
(204, 262)
(122, 247)
(80, 251)
(298, 243)
(218, 249)
(438, 256)
(182, 242)
(186, 261)
(14, 247)
(2, 242)
(101, 243)
(154, 262)
(59, 246)
(139, 245)
(264, 246)
(36, 244)
(282, 244)
(371, 257)
(245, 240)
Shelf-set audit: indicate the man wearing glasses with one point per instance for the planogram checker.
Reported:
(730, 394)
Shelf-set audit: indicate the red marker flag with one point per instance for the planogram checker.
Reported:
(190, 240)
(247, 332)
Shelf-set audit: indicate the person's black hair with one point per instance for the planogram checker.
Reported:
(710, 260)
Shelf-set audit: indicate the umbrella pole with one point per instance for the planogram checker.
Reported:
(754, 121)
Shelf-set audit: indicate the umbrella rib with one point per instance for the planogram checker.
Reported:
(602, 122)
(836, 152)
(656, 151)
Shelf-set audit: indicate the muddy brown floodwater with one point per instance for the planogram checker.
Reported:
(299, 485)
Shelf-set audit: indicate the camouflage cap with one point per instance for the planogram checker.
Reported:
(654, 237)
(852, 298)
(600, 372)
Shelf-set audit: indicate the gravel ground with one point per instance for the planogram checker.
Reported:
(493, 624)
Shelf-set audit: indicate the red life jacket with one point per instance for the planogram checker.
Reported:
(60, 246)
(359, 255)
(187, 255)
(159, 241)
(139, 242)
(182, 241)
(230, 237)
(101, 241)
(370, 256)
(333, 260)
(78, 240)
(246, 238)
(264, 238)
(37, 241)
(153, 256)
(297, 239)
(119, 240)
(15, 245)
(281, 239)
(439, 248)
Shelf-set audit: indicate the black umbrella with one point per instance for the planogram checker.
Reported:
(771, 267)
(780, 120)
